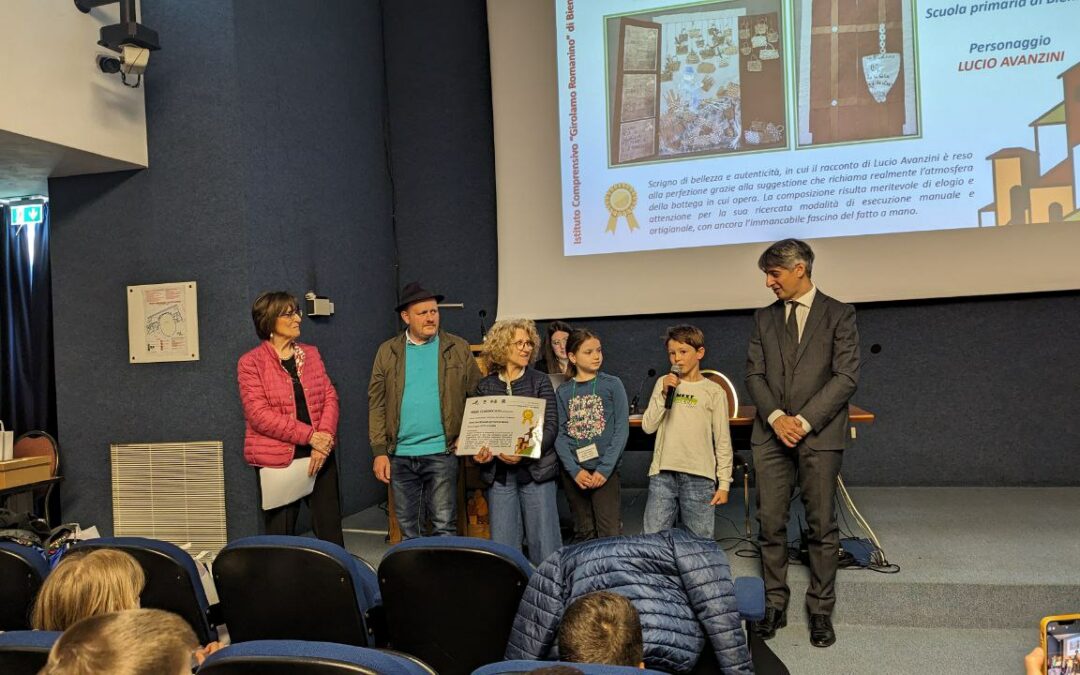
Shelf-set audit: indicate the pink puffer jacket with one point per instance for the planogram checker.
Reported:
(266, 392)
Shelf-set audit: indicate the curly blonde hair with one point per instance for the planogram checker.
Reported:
(88, 584)
(500, 338)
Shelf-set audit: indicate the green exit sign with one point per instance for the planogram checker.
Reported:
(27, 214)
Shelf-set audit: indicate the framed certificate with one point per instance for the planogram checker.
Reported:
(505, 425)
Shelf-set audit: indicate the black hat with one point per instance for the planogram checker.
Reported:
(414, 292)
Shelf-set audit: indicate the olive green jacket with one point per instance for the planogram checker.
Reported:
(458, 375)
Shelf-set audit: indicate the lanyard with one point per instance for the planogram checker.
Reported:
(593, 386)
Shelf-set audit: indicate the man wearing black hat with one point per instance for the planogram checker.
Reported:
(416, 399)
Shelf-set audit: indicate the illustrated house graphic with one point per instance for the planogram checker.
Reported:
(1021, 194)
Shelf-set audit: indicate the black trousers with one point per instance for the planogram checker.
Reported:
(777, 468)
(598, 512)
(324, 502)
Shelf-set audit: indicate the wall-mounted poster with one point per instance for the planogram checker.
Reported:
(163, 322)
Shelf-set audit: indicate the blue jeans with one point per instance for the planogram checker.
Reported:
(433, 478)
(531, 504)
(674, 493)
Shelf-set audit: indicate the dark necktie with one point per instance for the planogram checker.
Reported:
(792, 330)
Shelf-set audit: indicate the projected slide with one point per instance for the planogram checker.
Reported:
(717, 123)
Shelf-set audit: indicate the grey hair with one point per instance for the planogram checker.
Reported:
(787, 254)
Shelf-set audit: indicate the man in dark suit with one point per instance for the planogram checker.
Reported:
(802, 368)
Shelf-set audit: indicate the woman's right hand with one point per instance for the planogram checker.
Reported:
(484, 456)
(321, 441)
(583, 479)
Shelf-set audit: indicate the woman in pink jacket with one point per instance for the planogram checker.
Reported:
(291, 410)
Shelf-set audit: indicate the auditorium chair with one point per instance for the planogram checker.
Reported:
(451, 601)
(172, 580)
(297, 657)
(295, 588)
(22, 571)
(738, 461)
(511, 667)
(25, 652)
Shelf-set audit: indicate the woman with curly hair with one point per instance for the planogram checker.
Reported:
(521, 492)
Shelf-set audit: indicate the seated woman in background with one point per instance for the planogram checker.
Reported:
(133, 642)
(553, 357)
(88, 583)
(522, 490)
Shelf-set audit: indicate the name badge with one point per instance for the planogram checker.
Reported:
(588, 452)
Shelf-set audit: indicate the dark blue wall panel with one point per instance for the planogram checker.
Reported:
(267, 171)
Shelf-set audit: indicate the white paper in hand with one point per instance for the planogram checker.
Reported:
(286, 485)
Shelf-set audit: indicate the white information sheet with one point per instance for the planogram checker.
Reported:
(506, 425)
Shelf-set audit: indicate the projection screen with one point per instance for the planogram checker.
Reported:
(647, 152)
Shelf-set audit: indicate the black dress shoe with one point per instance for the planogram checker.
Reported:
(821, 630)
(775, 618)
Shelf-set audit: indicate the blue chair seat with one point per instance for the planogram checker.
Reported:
(25, 652)
(22, 571)
(507, 667)
(172, 580)
(451, 601)
(295, 588)
(297, 657)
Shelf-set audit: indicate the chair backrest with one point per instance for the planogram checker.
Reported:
(22, 571)
(507, 667)
(299, 657)
(25, 652)
(294, 588)
(451, 601)
(38, 444)
(172, 580)
(729, 389)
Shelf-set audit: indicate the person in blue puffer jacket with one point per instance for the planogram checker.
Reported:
(680, 583)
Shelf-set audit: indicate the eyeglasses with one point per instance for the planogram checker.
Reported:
(524, 345)
(295, 311)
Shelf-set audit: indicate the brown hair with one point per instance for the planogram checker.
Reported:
(498, 340)
(87, 584)
(550, 359)
(573, 343)
(686, 334)
(601, 627)
(133, 642)
(268, 307)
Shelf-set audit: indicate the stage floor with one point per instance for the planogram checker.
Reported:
(978, 568)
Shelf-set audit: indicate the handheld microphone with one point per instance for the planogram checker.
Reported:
(483, 328)
(676, 370)
(641, 388)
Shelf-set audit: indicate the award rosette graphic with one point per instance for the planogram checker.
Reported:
(620, 201)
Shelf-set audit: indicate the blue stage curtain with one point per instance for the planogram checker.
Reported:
(27, 377)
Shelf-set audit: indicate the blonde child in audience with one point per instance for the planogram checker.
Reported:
(90, 583)
(132, 642)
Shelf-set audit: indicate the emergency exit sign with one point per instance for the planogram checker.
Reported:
(27, 214)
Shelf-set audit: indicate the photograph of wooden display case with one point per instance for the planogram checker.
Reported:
(692, 81)
(855, 70)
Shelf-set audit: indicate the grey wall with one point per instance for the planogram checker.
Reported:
(267, 171)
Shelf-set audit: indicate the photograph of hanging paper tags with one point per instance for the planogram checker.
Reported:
(689, 81)
(855, 70)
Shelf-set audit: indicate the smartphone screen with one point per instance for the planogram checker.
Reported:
(1062, 648)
